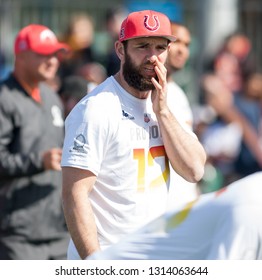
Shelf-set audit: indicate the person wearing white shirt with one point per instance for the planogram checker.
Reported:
(122, 139)
(221, 225)
(180, 190)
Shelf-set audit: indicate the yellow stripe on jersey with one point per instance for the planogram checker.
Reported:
(179, 217)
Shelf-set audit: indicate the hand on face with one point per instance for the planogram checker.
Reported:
(160, 92)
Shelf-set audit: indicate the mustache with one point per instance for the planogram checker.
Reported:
(148, 63)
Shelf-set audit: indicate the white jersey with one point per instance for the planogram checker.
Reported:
(180, 191)
(222, 225)
(116, 136)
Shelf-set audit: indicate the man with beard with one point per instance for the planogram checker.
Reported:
(182, 190)
(120, 139)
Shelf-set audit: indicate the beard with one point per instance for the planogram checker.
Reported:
(133, 77)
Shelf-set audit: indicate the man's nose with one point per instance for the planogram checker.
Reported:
(151, 53)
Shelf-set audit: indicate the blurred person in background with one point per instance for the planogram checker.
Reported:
(231, 68)
(79, 35)
(227, 68)
(32, 224)
(220, 137)
(242, 114)
(181, 191)
(94, 73)
(113, 19)
(233, 61)
(240, 46)
(249, 104)
(72, 90)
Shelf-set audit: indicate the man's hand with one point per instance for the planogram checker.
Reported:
(159, 94)
(52, 159)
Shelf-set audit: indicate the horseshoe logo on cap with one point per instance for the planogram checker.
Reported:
(149, 27)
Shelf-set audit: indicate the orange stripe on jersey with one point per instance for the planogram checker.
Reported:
(219, 192)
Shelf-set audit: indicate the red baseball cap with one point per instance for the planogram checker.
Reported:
(146, 23)
(39, 39)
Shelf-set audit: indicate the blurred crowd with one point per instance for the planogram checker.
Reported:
(226, 118)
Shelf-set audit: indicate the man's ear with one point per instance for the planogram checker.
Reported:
(119, 48)
(169, 46)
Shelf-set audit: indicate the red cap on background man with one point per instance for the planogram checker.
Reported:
(146, 23)
(39, 39)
